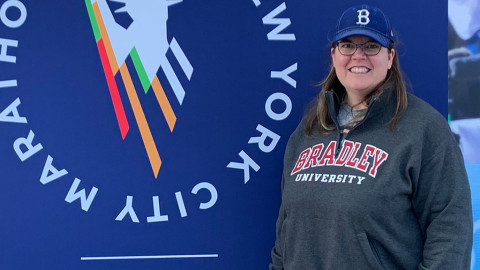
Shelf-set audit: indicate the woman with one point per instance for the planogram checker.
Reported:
(373, 178)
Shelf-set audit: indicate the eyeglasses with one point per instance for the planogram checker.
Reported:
(349, 48)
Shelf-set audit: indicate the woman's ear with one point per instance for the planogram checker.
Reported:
(391, 56)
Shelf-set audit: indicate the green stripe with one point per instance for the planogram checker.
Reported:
(142, 74)
(93, 21)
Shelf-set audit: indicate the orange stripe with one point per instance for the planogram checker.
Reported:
(145, 132)
(106, 39)
(164, 103)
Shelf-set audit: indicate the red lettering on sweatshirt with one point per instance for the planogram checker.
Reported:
(346, 152)
(352, 161)
(370, 160)
(379, 158)
(301, 160)
(313, 159)
(329, 154)
(367, 152)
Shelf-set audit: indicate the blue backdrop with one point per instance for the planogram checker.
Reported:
(85, 190)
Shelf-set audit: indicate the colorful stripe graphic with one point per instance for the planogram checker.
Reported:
(115, 95)
(111, 68)
(164, 103)
(142, 74)
(148, 141)
(106, 58)
(106, 39)
(93, 21)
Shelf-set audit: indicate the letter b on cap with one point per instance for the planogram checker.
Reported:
(363, 17)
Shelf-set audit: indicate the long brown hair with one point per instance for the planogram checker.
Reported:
(318, 117)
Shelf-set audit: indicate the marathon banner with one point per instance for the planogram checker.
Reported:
(141, 134)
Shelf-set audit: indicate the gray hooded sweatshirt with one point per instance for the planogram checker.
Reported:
(373, 198)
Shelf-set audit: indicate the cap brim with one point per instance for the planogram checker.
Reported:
(384, 41)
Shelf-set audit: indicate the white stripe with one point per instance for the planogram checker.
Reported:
(173, 80)
(181, 58)
(9, 83)
(150, 257)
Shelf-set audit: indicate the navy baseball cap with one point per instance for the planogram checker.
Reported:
(364, 20)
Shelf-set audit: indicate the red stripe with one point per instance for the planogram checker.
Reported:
(112, 86)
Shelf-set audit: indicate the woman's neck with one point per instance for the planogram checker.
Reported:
(355, 101)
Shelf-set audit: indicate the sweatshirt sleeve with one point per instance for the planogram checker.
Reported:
(442, 203)
(277, 250)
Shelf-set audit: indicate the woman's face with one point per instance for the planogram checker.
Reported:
(360, 74)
